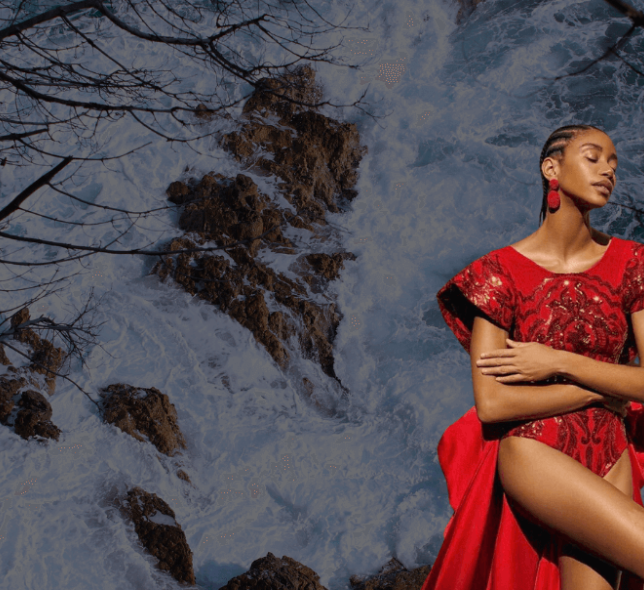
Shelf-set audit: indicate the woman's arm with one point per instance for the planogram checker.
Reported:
(621, 381)
(533, 361)
(499, 402)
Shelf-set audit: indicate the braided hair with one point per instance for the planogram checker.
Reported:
(555, 144)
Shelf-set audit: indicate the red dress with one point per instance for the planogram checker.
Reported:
(487, 545)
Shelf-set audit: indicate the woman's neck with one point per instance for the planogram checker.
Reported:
(566, 233)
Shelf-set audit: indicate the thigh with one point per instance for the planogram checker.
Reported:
(580, 570)
(565, 498)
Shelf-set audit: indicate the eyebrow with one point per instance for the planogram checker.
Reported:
(612, 157)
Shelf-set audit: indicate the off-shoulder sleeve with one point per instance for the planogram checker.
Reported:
(634, 280)
(482, 288)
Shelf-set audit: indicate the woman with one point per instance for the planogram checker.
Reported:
(544, 474)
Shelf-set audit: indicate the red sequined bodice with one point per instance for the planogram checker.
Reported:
(586, 313)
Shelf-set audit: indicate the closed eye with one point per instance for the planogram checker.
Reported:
(594, 160)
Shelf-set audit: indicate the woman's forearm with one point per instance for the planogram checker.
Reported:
(622, 381)
(519, 402)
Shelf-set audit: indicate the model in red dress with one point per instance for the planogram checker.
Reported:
(488, 545)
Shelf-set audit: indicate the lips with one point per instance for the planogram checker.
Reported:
(606, 184)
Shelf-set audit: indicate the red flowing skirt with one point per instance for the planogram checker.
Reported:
(487, 544)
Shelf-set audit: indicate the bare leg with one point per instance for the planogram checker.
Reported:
(563, 496)
(582, 571)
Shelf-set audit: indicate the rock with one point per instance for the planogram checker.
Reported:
(178, 192)
(143, 414)
(8, 389)
(181, 474)
(20, 317)
(271, 573)
(160, 534)
(316, 158)
(45, 356)
(466, 8)
(3, 356)
(34, 417)
(392, 576)
(203, 112)
(297, 85)
(326, 267)
(329, 266)
(317, 163)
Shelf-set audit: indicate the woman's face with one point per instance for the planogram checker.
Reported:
(589, 159)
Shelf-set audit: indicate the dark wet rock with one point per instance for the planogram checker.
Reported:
(145, 414)
(393, 576)
(181, 474)
(20, 317)
(272, 573)
(28, 411)
(329, 266)
(36, 404)
(160, 534)
(272, 94)
(466, 8)
(34, 417)
(8, 389)
(228, 211)
(203, 112)
(178, 192)
(326, 268)
(316, 158)
(45, 356)
(3, 356)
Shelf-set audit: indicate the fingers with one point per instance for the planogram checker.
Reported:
(513, 378)
(496, 353)
(505, 369)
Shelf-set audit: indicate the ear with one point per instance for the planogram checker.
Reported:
(550, 167)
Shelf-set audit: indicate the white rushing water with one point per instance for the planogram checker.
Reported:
(345, 483)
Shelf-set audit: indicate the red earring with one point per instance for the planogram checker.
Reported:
(553, 196)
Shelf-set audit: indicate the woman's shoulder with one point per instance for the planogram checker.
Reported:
(493, 266)
(490, 258)
(632, 246)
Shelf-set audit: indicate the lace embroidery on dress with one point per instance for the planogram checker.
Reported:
(583, 313)
(482, 287)
(634, 280)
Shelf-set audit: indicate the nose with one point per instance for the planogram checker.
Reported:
(610, 174)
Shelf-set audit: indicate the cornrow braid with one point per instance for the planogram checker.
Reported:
(555, 144)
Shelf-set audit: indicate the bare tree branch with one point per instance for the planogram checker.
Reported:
(135, 251)
(637, 17)
(612, 49)
(69, 332)
(64, 76)
(33, 187)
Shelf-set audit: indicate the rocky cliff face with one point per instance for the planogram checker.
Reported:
(315, 160)
(28, 410)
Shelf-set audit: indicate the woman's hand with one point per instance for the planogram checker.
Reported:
(523, 361)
